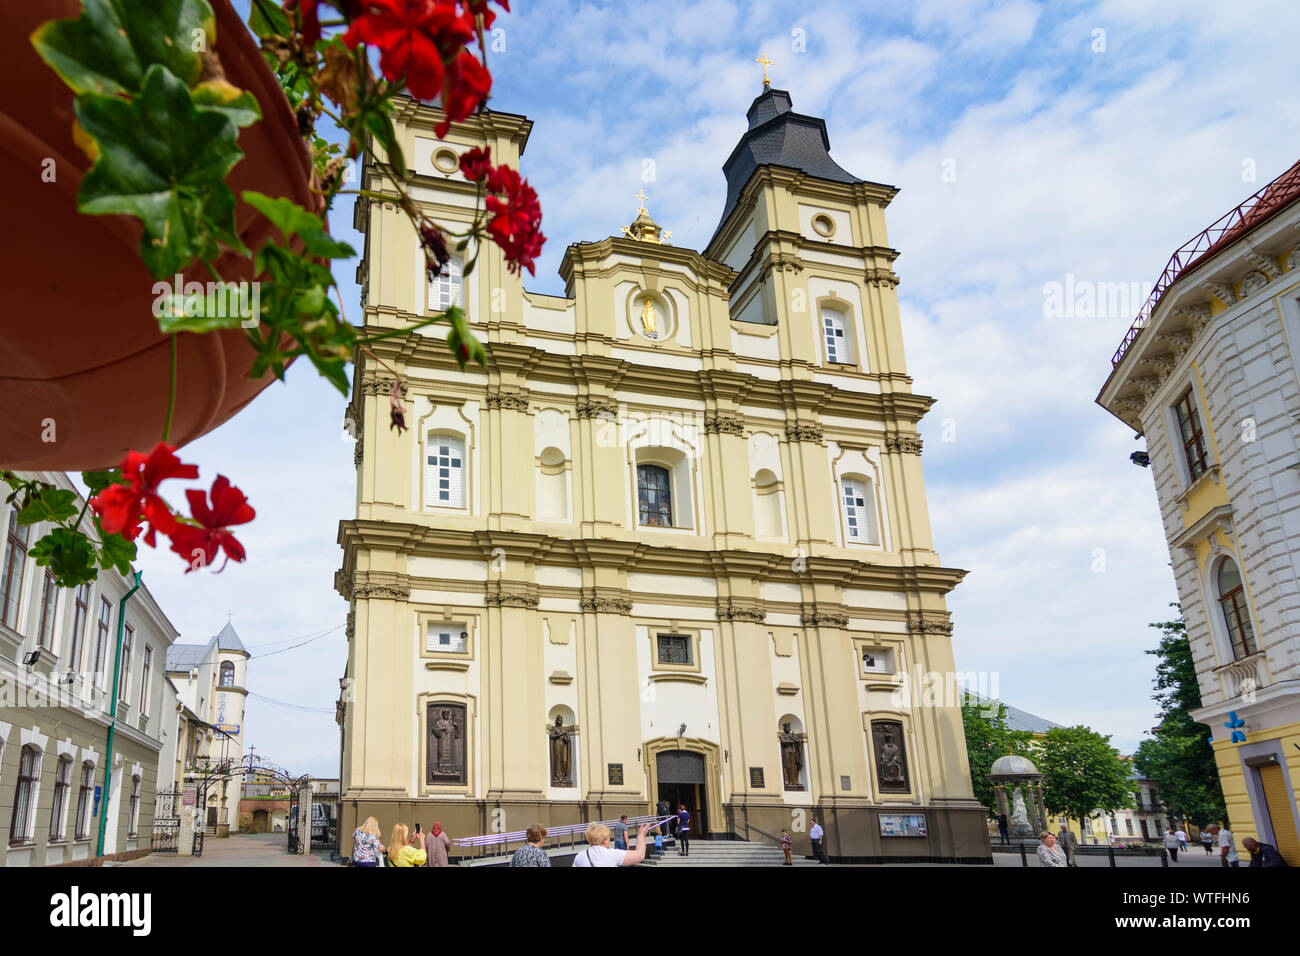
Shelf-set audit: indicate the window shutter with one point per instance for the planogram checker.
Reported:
(837, 345)
(447, 289)
(445, 472)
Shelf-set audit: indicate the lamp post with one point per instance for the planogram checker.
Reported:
(112, 710)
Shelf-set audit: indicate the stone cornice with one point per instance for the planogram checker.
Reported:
(591, 259)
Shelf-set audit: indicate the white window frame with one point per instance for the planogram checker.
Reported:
(133, 814)
(862, 512)
(146, 673)
(456, 632)
(62, 797)
(24, 829)
(448, 289)
(445, 460)
(85, 797)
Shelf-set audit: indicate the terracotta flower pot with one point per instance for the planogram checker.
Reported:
(82, 360)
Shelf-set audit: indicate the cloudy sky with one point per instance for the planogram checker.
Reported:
(1031, 142)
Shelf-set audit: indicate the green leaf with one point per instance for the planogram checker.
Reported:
(293, 220)
(265, 18)
(163, 161)
(115, 551)
(108, 49)
(97, 481)
(239, 105)
(47, 503)
(464, 346)
(225, 307)
(381, 124)
(67, 553)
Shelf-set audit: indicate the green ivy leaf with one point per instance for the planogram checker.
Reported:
(109, 47)
(239, 105)
(265, 18)
(165, 162)
(68, 554)
(115, 551)
(293, 220)
(47, 503)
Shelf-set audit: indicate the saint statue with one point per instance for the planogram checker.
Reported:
(791, 757)
(445, 729)
(891, 760)
(1019, 815)
(648, 318)
(561, 773)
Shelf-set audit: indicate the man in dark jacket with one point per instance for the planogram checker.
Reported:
(1262, 854)
(1002, 828)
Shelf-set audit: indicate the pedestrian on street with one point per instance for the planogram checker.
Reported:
(683, 830)
(436, 846)
(1171, 843)
(531, 853)
(1049, 854)
(1263, 854)
(659, 842)
(1003, 829)
(1182, 838)
(600, 853)
(786, 846)
(1207, 841)
(366, 848)
(817, 835)
(1069, 843)
(620, 833)
(1227, 845)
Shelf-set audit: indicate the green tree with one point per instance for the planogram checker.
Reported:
(1082, 772)
(1178, 756)
(987, 738)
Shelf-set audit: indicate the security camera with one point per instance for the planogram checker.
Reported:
(30, 660)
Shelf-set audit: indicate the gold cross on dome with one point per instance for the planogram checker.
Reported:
(762, 58)
(640, 197)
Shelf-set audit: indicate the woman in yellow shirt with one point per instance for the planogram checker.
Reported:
(400, 850)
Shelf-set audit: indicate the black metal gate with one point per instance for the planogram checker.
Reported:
(292, 823)
(166, 821)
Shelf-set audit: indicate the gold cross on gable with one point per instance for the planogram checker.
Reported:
(640, 197)
(762, 58)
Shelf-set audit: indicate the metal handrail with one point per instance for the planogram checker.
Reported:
(487, 840)
(1190, 252)
(750, 826)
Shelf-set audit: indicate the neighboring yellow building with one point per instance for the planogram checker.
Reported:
(1208, 374)
(672, 544)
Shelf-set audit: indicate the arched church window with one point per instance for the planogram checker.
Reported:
(445, 472)
(654, 496)
(227, 674)
(1236, 615)
(836, 335)
(859, 506)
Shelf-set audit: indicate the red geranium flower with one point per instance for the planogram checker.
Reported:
(414, 39)
(309, 19)
(516, 219)
(465, 89)
(121, 507)
(229, 507)
(476, 164)
(480, 8)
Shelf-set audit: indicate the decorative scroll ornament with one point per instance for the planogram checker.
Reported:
(824, 619)
(929, 625)
(498, 398)
(803, 432)
(606, 605)
(904, 444)
(724, 425)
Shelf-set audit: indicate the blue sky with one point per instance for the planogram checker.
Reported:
(1069, 159)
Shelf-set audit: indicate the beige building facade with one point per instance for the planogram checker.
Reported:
(672, 544)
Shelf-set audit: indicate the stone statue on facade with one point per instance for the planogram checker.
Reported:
(446, 732)
(561, 754)
(791, 757)
(1019, 815)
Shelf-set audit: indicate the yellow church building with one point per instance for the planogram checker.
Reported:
(672, 544)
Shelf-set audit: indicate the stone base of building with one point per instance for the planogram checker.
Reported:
(106, 858)
(955, 833)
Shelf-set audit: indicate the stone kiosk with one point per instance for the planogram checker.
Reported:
(1026, 812)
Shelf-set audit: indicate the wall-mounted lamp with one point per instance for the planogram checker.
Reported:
(30, 660)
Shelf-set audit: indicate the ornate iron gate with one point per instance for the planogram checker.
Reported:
(292, 823)
(166, 821)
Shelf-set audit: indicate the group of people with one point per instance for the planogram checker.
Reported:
(1061, 851)
(406, 846)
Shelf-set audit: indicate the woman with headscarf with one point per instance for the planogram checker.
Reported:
(436, 845)
(400, 850)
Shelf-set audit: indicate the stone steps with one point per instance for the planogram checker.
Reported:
(727, 853)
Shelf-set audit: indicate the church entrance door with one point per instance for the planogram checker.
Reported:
(680, 777)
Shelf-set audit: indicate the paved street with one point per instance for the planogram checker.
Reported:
(1193, 856)
(244, 849)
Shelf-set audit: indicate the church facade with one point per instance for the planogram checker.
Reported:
(672, 544)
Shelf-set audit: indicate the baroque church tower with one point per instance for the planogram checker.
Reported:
(672, 544)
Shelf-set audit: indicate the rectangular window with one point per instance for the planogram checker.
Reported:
(445, 476)
(654, 496)
(876, 660)
(133, 819)
(101, 639)
(49, 604)
(1191, 434)
(833, 334)
(79, 616)
(675, 649)
(447, 289)
(124, 677)
(83, 801)
(11, 581)
(859, 507)
(62, 786)
(445, 637)
(146, 676)
(23, 822)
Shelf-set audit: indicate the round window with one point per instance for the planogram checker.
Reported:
(446, 160)
(824, 225)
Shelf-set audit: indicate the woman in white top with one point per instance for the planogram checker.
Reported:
(1171, 843)
(600, 853)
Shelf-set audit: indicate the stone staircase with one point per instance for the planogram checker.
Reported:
(710, 853)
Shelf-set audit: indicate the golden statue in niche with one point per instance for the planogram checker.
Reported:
(648, 318)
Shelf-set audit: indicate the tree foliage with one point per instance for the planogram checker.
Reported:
(987, 738)
(1082, 772)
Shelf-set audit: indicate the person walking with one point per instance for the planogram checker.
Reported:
(1003, 829)
(600, 853)
(683, 830)
(1227, 845)
(531, 853)
(400, 850)
(1069, 843)
(1182, 838)
(1207, 841)
(1049, 854)
(1171, 843)
(817, 835)
(786, 846)
(620, 833)
(659, 842)
(366, 848)
(1262, 854)
(436, 846)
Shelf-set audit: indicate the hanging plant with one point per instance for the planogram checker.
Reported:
(160, 123)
